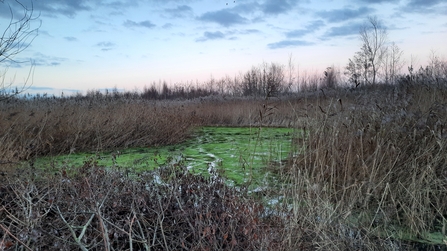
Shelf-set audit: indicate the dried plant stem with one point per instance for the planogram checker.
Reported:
(160, 221)
(103, 227)
(15, 238)
(78, 239)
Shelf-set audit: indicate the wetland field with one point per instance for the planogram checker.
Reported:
(233, 151)
(331, 169)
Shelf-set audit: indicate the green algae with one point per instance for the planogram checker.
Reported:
(238, 153)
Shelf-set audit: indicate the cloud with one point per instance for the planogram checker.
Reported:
(145, 24)
(69, 8)
(5, 11)
(307, 29)
(71, 39)
(275, 7)
(229, 35)
(10, 9)
(247, 8)
(167, 26)
(379, 1)
(118, 6)
(105, 46)
(340, 15)
(426, 6)
(64, 7)
(211, 36)
(345, 30)
(223, 17)
(249, 31)
(288, 43)
(40, 59)
(424, 3)
(179, 12)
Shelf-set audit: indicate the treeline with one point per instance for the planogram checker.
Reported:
(263, 82)
(266, 80)
(274, 80)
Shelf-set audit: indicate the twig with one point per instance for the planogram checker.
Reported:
(104, 230)
(15, 238)
(161, 225)
(130, 233)
(84, 228)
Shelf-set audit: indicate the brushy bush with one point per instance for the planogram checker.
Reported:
(94, 208)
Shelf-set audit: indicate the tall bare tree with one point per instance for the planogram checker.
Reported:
(365, 65)
(374, 37)
(16, 37)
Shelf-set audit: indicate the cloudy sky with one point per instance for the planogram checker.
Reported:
(128, 44)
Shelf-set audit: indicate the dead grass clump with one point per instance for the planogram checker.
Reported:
(245, 112)
(94, 208)
(374, 175)
(40, 127)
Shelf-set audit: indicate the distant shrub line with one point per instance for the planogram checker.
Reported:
(262, 82)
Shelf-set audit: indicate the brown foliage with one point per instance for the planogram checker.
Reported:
(373, 164)
(370, 163)
(31, 128)
(101, 209)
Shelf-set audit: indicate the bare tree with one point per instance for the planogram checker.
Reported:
(250, 85)
(359, 68)
(16, 37)
(374, 37)
(365, 65)
(330, 77)
(291, 69)
(393, 63)
(437, 66)
(275, 80)
(265, 81)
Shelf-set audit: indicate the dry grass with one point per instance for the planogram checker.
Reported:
(56, 126)
(32, 128)
(246, 112)
(372, 170)
(371, 174)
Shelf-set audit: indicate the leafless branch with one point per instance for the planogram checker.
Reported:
(17, 37)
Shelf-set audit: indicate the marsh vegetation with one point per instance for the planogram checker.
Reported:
(366, 170)
(369, 173)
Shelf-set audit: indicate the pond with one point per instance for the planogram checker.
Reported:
(240, 154)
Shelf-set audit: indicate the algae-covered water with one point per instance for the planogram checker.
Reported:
(239, 154)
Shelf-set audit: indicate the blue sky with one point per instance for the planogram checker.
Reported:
(131, 43)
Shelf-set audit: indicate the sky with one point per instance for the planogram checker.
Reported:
(128, 44)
